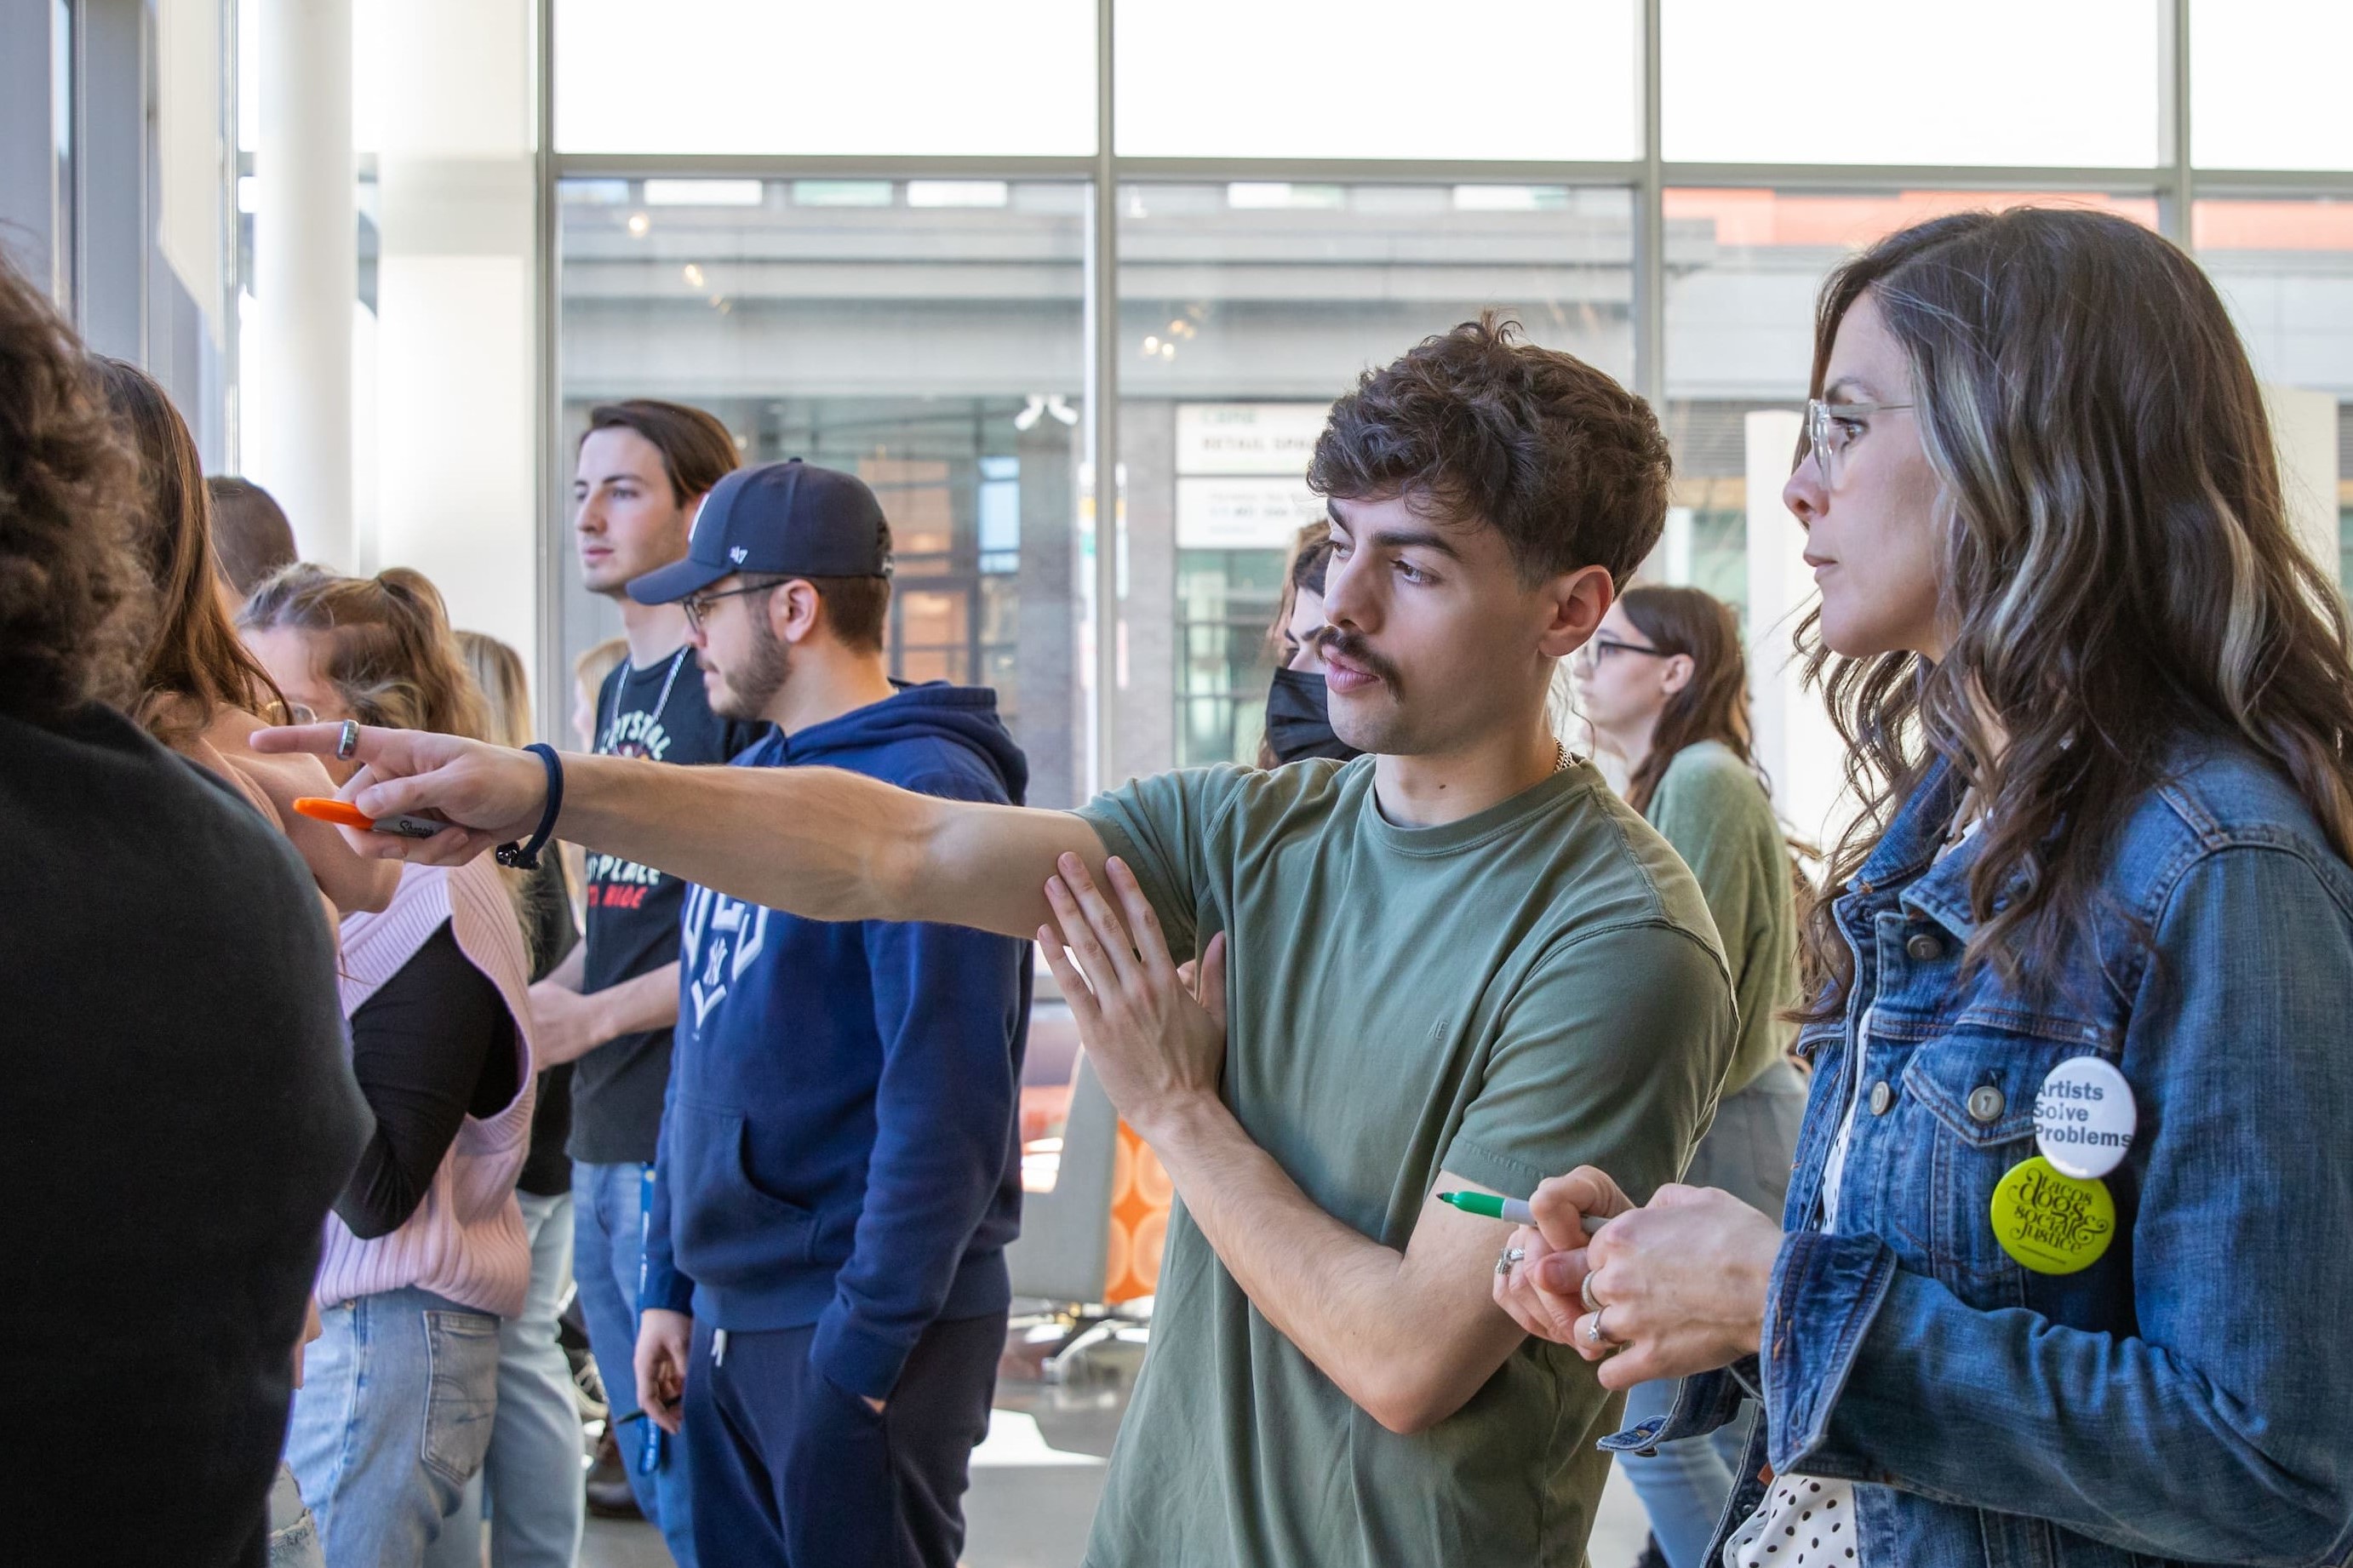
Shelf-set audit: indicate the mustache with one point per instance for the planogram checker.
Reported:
(1353, 647)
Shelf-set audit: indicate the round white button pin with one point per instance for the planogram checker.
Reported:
(2084, 1117)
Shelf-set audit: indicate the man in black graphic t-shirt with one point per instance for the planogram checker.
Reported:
(643, 469)
(658, 712)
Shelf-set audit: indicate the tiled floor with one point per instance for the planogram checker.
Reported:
(1034, 1484)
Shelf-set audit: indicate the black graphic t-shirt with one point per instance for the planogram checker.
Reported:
(660, 713)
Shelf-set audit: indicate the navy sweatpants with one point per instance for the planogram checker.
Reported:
(790, 1471)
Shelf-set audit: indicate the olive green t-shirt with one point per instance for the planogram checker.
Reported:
(1505, 997)
(1715, 813)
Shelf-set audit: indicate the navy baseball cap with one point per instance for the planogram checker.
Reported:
(791, 519)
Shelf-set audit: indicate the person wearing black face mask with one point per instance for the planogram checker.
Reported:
(1298, 719)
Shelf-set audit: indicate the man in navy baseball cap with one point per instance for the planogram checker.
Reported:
(790, 519)
(828, 1363)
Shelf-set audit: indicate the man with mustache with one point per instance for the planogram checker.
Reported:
(1454, 965)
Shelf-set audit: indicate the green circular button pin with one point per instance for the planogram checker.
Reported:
(2054, 1223)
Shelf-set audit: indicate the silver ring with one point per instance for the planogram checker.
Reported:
(1511, 1258)
(348, 740)
(1585, 1289)
(1593, 1334)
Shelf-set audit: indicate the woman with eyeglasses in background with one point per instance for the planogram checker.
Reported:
(1664, 687)
(2071, 1202)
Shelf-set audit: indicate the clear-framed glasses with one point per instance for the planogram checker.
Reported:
(1830, 426)
(1592, 655)
(698, 605)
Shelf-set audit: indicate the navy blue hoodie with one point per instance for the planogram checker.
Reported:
(840, 1140)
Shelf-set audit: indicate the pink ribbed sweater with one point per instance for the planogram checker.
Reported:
(466, 1240)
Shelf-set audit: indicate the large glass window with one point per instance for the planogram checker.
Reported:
(2285, 269)
(1743, 269)
(880, 77)
(1245, 309)
(2267, 84)
(1240, 79)
(2002, 83)
(923, 334)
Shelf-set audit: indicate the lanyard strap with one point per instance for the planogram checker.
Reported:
(605, 739)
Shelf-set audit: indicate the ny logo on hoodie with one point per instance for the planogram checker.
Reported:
(737, 930)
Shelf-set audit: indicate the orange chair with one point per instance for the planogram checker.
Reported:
(1090, 1244)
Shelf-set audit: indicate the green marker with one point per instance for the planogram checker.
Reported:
(1508, 1209)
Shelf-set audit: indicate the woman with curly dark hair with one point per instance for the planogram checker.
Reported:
(178, 1115)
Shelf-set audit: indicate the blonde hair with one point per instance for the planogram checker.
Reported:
(594, 664)
(389, 652)
(498, 670)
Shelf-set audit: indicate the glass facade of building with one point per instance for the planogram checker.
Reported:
(912, 288)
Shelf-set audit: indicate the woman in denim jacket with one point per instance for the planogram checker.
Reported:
(2099, 702)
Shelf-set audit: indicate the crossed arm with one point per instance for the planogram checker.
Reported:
(1409, 1334)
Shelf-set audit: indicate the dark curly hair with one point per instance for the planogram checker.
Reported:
(72, 602)
(1479, 425)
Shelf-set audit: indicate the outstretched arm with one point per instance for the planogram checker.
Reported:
(816, 842)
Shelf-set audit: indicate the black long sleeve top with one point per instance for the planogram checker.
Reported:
(433, 1045)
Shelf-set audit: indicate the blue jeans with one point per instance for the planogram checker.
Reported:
(1683, 1485)
(607, 1251)
(391, 1422)
(533, 1470)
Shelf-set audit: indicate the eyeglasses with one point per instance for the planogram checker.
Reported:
(1593, 653)
(698, 605)
(1830, 427)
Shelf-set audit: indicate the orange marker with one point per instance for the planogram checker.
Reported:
(344, 814)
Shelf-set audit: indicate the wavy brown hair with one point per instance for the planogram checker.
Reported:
(2117, 567)
(73, 608)
(194, 665)
(1714, 703)
(389, 651)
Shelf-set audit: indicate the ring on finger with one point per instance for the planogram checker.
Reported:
(1593, 1334)
(1510, 1258)
(347, 740)
(1585, 1289)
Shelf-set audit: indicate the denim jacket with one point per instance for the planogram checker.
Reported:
(2188, 1397)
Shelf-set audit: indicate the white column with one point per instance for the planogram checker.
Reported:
(445, 102)
(1795, 739)
(2304, 429)
(306, 274)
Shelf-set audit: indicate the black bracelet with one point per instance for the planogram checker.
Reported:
(525, 857)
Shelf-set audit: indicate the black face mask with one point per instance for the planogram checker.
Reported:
(1298, 719)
